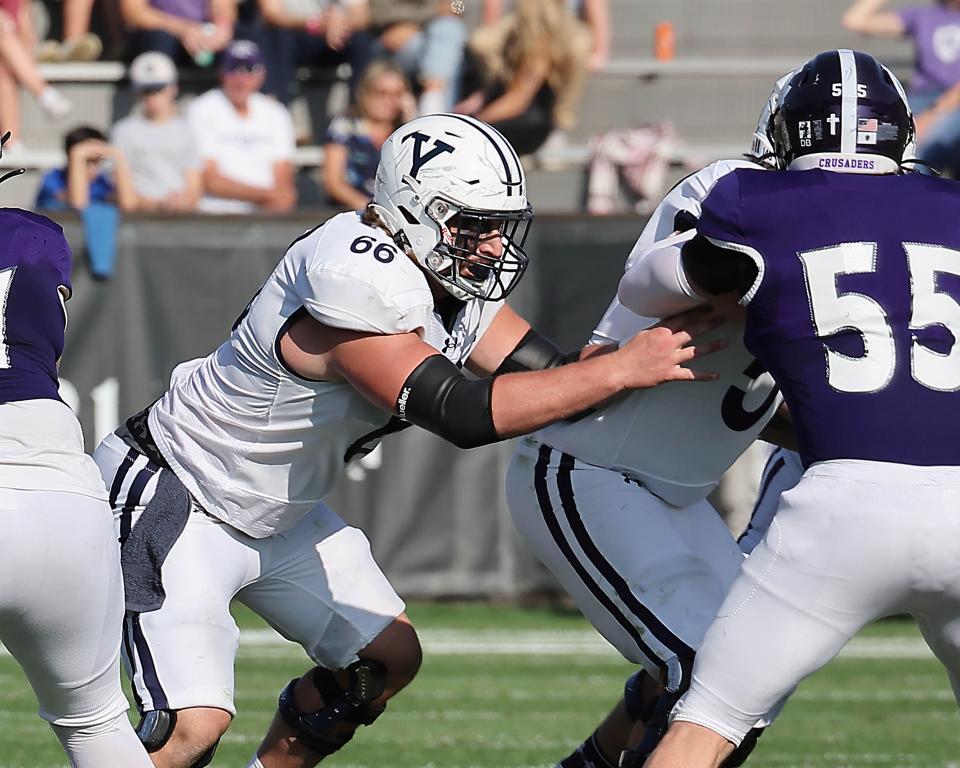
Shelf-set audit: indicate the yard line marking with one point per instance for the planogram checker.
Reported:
(574, 642)
(563, 642)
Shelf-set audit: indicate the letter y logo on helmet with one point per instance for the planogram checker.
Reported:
(419, 158)
(452, 192)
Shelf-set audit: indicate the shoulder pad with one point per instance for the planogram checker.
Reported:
(355, 277)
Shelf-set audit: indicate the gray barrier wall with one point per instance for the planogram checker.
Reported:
(435, 515)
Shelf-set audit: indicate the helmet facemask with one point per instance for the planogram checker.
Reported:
(480, 252)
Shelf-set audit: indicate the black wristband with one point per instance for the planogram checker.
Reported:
(534, 353)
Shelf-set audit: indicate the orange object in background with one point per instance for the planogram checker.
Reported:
(664, 41)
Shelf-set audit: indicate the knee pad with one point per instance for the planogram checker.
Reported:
(737, 758)
(322, 731)
(155, 729)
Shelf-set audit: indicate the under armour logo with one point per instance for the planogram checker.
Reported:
(420, 159)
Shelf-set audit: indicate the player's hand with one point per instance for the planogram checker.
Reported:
(658, 354)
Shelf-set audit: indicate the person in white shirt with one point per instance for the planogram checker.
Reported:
(361, 330)
(246, 139)
(156, 141)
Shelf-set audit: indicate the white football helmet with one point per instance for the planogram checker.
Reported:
(445, 186)
(761, 148)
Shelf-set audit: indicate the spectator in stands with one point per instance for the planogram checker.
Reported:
(317, 33)
(157, 142)
(245, 139)
(18, 67)
(79, 43)
(188, 31)
(424, 37)
(595, 15)
(95, 172)
(935, 88)
(352, 145)
(536, 62)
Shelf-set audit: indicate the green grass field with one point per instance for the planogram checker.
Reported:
(506, 687)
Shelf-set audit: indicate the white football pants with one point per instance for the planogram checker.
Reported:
(316, 583)
(853, 542)
(61, 616)
(649, 576)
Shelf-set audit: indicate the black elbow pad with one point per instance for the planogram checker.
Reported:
(438, 397)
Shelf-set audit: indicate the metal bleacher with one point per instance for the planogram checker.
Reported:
(728, 53)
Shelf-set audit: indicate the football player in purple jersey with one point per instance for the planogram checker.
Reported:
(61, 593)
(849, 272)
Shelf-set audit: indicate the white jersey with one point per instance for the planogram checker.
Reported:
(679, 438)
(41, 449)
(256, 444)
(244, 148)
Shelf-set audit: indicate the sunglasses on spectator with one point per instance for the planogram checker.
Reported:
(146, 90)
(246, 69)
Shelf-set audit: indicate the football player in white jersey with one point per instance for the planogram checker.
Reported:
(61, 595)
(218, 486)
(614, 503)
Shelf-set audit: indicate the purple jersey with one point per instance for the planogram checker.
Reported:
(856, 307)
(34, 263)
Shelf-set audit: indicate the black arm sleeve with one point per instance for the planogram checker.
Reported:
(718, 270)
(535, 353)
(439, 398)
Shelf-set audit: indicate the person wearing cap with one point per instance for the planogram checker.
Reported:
(245, 139)
(157, 141)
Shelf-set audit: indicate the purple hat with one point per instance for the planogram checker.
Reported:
(242, 54)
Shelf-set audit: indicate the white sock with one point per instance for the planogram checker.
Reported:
(107, 745)
(255, 763)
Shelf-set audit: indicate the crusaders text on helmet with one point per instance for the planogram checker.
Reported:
(843, 111)
(452, 192)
